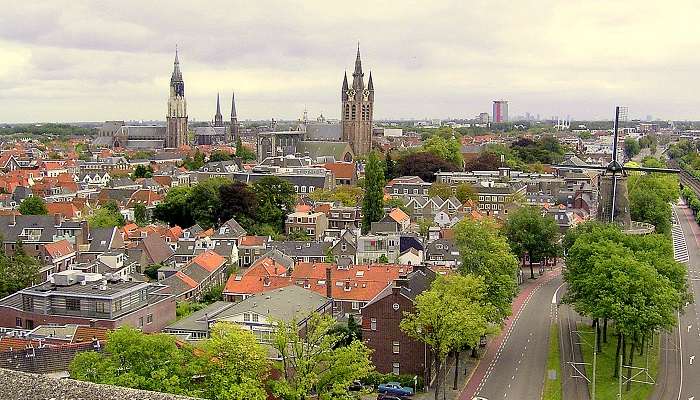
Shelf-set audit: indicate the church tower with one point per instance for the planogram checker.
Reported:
(357, 109)
(176, 118)
(218, 118)
(234, 120)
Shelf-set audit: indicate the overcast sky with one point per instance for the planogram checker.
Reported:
(101, 60)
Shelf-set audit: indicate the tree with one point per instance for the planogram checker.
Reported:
(175, 208)
(33, 205)
(194, 163)
(650, 197)
(235, 365)
(142, 172)
(528, 231)
(238, 201)
(218, 155)
(452, 315)
(485, 252)
(632, 147)
(107, 216)
(390, 170)
(243, 153)
(449, 150)
(373, 202)
(348, 195)
(18, 272)
(204, 201)
(440, 189)
(465, 192)
(485, 161)
(276, 199)
(315, 363)
(383, 259)
(424, 165)
(133, 359)
(140, 216)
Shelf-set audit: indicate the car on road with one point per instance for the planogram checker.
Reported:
(395, 388)
(357, 386)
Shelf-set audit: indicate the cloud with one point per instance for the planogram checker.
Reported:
(88, 60)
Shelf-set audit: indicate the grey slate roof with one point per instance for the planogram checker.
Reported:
(301, 248)
(101, 239)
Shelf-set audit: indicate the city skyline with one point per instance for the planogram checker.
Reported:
(80, 62)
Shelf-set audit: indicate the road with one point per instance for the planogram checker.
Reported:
(574, 385)
(513, 366)
(680, 370)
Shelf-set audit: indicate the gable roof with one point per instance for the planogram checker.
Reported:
(59, 249)
(209, 260)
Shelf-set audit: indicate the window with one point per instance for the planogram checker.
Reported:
(373, 324)
(18, 322)
(73, 304)
(405, 191)
(255, 317)
(149, 319)
(395, 368)
(355, 305)
(140, 321)
(395, 347)
(415, 191)
(246, 317)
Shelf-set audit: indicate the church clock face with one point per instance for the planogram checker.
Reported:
(351, 93)
(365, 94)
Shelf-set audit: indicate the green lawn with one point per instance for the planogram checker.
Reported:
(552, 387)
(606, 385)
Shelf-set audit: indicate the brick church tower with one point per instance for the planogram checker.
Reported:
(357, 110)
(176, 118)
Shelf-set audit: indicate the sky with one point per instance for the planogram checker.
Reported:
(63, 61)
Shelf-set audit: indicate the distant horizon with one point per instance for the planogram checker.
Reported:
(72, 61)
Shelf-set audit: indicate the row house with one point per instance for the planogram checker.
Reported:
(204, 272)
(350, 287)
(251, 248)
(35, 231)
(425, 208)
(407, 186)
(313, 224)
(303, 251)
(97, 179)
(393, 351)
(341, 218)
(55, 257)
(442, 253)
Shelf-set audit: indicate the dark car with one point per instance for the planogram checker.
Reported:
(357, 386)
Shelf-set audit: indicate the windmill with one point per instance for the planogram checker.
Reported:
(613, 202)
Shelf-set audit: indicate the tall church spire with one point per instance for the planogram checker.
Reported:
(233, 106)
(176, 129)
(218, 119)
(234, 128)
(177, 75)
(370, 85)
(357, 81)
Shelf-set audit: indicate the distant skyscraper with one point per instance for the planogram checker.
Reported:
(484, 118)
(176, 119)
(500, 111)
(357, 110)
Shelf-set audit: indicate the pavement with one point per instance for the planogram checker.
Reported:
(514, 362)
(679, 371)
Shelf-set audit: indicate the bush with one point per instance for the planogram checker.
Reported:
(376, 378)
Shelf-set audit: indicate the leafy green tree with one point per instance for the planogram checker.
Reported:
(235, 364)
(299, 236)
(424, 165)
(107, 216)
(18, 272)
(452, 315)
(349, 196)
(383, 259)
(650, 196)
(390, 170)
(33, 205)
(373, 202)
(218, 155)
(133, 359)
(315, 363)
(240, 202)
(447, 149)
(465, 192)
(140, 216)
(632, 147)
(151, 271)
(243, 153)
(276, 199)
(528, 231)
(204, 201)
(396, 202)
(440, 189)
(175, 208)
(486, 253)
(194, 163)
(330, 257)
(142, 172)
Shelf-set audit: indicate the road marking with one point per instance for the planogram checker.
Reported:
(691, 359)
(554, 296)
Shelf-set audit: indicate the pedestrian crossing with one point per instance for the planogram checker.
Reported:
(680, 247)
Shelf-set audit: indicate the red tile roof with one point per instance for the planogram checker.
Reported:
(65, 210)
(59, 249)
(86, 334)
(186, 279)
(342, 170)
(209, 260)
(252, 241)
(357, 283)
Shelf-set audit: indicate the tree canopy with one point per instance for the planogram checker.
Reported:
(424, 165)
(18, 272)
(107, 216)
(528, 231)
(373, 202)
(33, 205)
(448, 149)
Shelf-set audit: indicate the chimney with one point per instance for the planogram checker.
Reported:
(329, 283)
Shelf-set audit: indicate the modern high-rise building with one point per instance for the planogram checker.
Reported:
(357, 109)
(500, 111)
(176, 119)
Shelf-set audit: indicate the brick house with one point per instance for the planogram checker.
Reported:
(393, 350)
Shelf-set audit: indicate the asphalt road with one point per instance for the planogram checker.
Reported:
(514, 366)
(680, 369)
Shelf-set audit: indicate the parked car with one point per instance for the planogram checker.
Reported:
(382, 396)
(395, 388)
(357, 386)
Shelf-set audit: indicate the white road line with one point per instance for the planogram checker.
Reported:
(554, 297)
